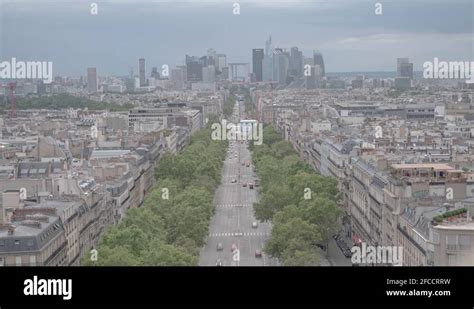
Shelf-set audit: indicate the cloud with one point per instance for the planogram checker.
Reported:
(295, 4)
(349, 41)
(347, 32)
(381, 38)
(384, 40)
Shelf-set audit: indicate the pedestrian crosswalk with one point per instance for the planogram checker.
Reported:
(237, 234)
(236, 176)
(232, 205)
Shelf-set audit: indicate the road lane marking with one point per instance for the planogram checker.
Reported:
(231, 191)
(232, 205)
(235, 234)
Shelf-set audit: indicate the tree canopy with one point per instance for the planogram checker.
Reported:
(64, 101)
(301, 204)
(172, 224)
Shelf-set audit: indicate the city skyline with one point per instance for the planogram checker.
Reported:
(294, 139)
(350, 36)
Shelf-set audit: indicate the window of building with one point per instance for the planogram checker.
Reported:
(465, 242)
(32, 260)
(18, 260)
(451, 242)
(451, 260)
(2, 261)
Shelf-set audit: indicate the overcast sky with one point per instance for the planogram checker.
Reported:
(347, 32)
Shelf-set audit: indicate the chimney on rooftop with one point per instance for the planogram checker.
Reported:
(11, 229)
(10, 201)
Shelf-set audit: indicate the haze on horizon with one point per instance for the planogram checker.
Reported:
(348, 33)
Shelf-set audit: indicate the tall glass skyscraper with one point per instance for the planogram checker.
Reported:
(404, 68)
(268, 61)
(194, 67)
(221, 62)
(404, 74)
(296, 62)
(318, 60)
(257, 63)
(141, 71)
(280, 65)
(92, 80)
(401, 61)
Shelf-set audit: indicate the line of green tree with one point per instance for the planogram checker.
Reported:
(64, 101)
(172, 225)
(249, 106)
(301, 204)
(229, 105)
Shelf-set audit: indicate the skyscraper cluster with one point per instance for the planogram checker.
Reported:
(277, 65)
(206, 69)
(284, 67)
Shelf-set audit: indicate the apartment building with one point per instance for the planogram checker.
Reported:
(155, 119)
(452, 236)
(30, 236)
(401, 165)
